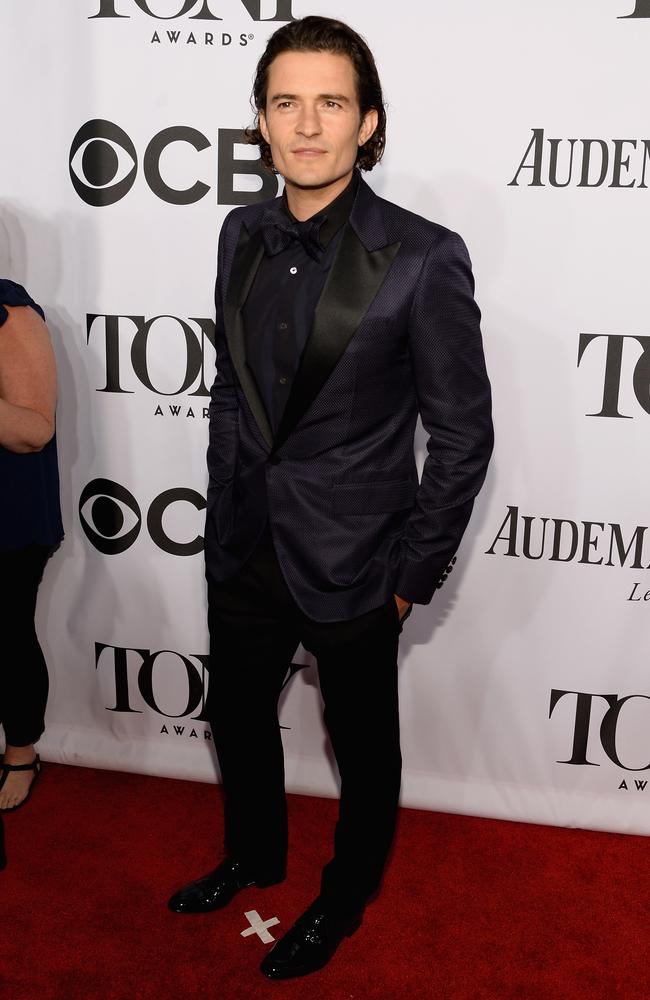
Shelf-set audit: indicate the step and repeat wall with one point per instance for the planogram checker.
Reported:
(525, 684)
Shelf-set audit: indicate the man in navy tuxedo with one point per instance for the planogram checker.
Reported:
(340, 318)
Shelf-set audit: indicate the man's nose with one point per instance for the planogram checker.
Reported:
(308, 123)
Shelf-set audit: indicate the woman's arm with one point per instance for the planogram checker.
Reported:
(27, 382)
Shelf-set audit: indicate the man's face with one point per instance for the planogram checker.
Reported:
(312, 120)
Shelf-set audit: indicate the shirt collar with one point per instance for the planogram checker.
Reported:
(334, 216)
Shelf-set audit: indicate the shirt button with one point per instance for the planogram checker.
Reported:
(283, 326)
(293, 270)
(283, 380)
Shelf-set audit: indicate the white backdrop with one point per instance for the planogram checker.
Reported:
(475, 91)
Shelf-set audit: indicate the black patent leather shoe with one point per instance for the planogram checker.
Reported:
(213, 891)
(310, 943)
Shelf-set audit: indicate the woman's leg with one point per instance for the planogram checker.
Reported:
(23, 673)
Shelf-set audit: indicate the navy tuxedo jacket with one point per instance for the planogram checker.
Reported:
(395, 334)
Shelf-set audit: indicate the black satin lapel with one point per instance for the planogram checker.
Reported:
(353, 282)
(248, 255)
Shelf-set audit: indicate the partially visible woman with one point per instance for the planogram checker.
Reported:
(30, 528)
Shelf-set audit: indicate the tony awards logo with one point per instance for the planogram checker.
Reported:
(194, 10)
(165, 355)
(623, 720)
(196, 23)
(614, 347)
(171, 684)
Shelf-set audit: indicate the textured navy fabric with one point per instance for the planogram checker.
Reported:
(30, 513)
(396, 333)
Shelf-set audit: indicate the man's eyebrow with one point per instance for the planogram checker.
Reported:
(321, 97)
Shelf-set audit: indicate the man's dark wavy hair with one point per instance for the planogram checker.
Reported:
(323, 34)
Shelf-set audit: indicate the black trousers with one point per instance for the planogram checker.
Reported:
(255, 628)
(24, 682)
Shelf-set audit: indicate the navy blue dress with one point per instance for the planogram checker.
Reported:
(30, 512)
(30, 526)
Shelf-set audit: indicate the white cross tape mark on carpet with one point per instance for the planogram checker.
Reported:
(258, 926)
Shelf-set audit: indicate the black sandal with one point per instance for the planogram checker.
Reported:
(35, 766)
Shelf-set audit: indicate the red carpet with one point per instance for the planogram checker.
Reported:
(471, 908)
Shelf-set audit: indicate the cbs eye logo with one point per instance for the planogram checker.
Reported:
(111, 518)
(103, 163)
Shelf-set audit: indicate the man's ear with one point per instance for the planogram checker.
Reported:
(263, 127)
(368, 126)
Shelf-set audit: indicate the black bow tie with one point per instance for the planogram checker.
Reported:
(278, 235)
